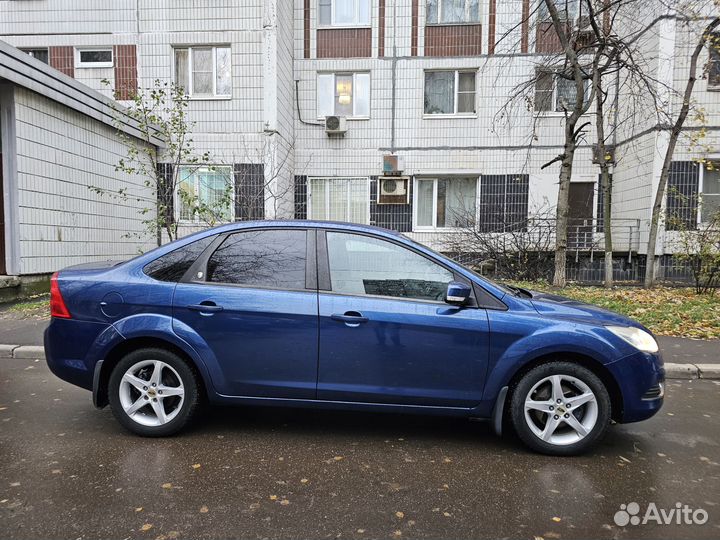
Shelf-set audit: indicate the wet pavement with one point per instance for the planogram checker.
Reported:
(70, 471)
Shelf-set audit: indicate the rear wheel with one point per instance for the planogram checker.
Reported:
(153, 392)
(560, 408)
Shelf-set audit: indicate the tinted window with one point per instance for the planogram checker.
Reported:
(365, 265)
(172, 266)
(269, 258)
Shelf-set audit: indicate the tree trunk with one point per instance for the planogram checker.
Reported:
(665, 171)
(606, 185)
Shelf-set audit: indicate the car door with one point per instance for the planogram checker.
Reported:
(386, 334)
(253, 300)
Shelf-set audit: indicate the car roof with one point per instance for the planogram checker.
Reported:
(304, 223)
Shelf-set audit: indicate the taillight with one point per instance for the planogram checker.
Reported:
(57, 304)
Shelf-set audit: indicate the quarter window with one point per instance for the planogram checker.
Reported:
(265, 259)
(204, 71)
(94, 58)
(343, 94)
(344, 12)
(445, 202)
(339, 199)
(453, 11)
(172, 266)
(205, 194)
(450, 92)
(362, 265)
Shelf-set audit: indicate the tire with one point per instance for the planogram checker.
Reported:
(153, 410)
(552, 428)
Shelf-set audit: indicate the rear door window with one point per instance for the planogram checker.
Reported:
(274, 258)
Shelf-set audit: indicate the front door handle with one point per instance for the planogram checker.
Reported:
(205, 307)
(349, 317)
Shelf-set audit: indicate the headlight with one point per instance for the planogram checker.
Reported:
(639, 339)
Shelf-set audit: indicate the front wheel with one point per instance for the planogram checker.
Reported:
(560, 408)
(153, 392)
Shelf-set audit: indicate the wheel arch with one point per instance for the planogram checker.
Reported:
(602, 372)
(121, 349)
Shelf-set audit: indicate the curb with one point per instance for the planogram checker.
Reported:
(672, 371)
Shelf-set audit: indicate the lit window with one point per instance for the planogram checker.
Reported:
(555, 93)
(204, 71)
(343, 94)
(710, 202)
(205, 194)
(450, 92)
(344, 12)
(94, 58)
(445, 202)
(453, 11)
(339, 199)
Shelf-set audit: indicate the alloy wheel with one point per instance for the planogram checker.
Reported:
(151, 393)
(561, 410)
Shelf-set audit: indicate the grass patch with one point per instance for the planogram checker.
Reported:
(36, 307)
(666, 311)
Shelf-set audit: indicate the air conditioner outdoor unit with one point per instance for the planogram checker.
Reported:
(335, 125)
(393, 190)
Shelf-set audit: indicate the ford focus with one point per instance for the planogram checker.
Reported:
(333, 315)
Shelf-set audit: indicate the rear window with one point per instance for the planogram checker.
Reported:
(172, 266)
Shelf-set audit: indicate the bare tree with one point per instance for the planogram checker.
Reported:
(675, 132)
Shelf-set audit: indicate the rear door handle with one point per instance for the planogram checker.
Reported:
(209, 307)
(349, 317)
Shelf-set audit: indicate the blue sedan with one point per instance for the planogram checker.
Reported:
(335, 315)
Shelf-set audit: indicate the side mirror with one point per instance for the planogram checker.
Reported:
(457, 293)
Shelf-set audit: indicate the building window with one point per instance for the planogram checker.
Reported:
(94, 58)
(344, 12)
(343, 94)
(445, 202)
(204, 71)
(450, 92)
(682, 196)
(567, 9)
(710, 203)
(339, 199)
(205, 194)
(503, 203)
(453, 11)
(714, 62)
(555, 93)
(39, 54)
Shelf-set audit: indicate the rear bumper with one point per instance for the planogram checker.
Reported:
(641, 377)
(69, 345)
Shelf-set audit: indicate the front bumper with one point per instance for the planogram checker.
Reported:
(641, 377)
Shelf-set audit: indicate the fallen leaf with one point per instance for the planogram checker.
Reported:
(284, 502)
(196, 466)
(146, 527)
(338, 458)
(400, 515)
(139, 509)
(56, 471)
(273, 497)
(204, 509)
(556, 519)
(361, 531)
(446, 514)
(303, 480)
(167, 485)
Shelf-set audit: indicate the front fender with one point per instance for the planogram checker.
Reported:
(510, 353)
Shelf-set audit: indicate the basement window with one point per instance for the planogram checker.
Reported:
(94, 58)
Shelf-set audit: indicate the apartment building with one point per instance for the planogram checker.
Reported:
(389, 112)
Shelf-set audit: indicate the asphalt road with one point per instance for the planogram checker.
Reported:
(70, 471)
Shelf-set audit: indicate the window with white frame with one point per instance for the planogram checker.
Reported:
(205, 193)
(344, 12)
(343, 94)
(339, 199)
(452, 11)
(555, 93)
(450, 92)
(444, 202)
(710, 201)
(204, 71)
(94, 58)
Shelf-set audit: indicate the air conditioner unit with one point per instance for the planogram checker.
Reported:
(335, 125)
(393, 190)
(393, 165)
